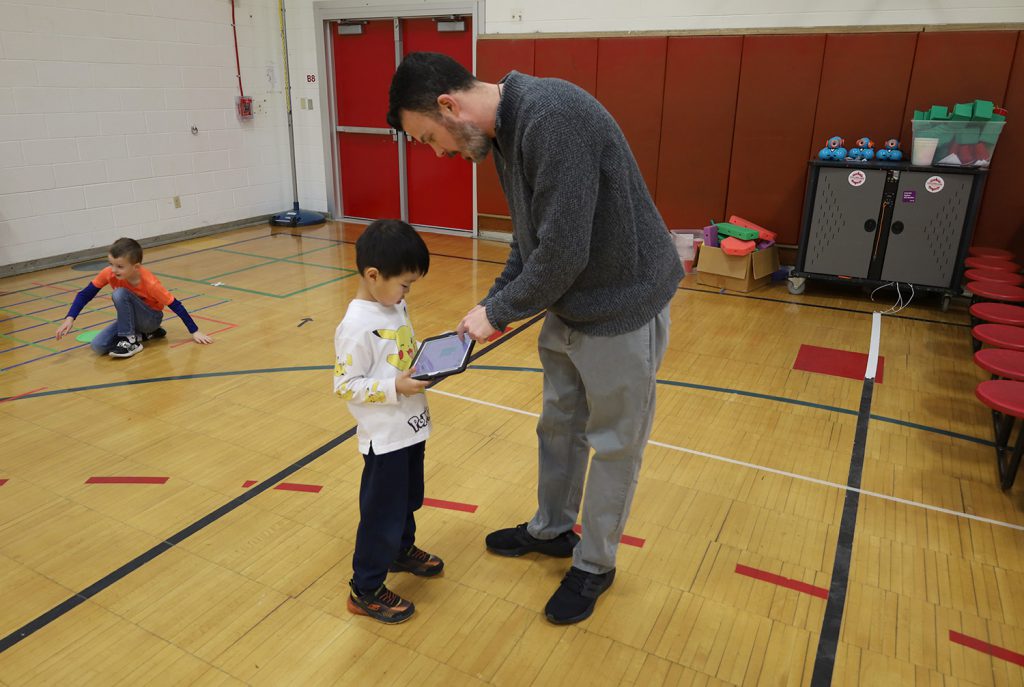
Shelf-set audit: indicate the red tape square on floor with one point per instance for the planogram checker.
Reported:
(832, 361)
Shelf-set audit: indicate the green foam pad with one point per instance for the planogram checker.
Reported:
(983, 109)
(990, 132)
(742, 233)
(938, 112)
(963, 112)
(972, 135)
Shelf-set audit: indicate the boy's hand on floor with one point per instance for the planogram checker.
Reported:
(201, 338)
(64, 328)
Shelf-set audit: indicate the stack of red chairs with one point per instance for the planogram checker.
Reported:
(995, 282)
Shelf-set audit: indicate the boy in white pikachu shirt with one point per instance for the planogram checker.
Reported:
(374, 347)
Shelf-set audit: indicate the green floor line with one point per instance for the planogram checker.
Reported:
(29, 343)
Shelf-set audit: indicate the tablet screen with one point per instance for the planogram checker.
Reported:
(441, 354)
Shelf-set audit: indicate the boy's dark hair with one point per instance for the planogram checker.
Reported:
(419, 80)
(393, 247)
(127, 248)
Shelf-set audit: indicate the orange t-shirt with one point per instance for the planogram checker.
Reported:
(149, 288)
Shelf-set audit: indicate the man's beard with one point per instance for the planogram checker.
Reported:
(474, 144)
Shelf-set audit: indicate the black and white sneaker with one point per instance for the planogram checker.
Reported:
(157, 333)
(126, 347)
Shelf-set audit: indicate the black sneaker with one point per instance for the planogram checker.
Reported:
(576, 596)
(515, 541)
(383, 605)
(418, 562)
(126, 347)
(157, 333)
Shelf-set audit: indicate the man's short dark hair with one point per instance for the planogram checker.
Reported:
(420, 79)
(393, 247)
(127, 248)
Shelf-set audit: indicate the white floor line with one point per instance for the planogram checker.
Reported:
(774, 471)
(876, 337)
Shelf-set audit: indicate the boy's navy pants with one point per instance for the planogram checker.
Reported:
(390, 492)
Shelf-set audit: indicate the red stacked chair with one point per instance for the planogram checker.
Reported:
(1001, 276)
(1006, 399)
(992, 264)
(994, 277)
(983, 252)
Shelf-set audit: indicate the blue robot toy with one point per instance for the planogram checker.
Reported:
(890, 151)
(865, 149)
(834, 149)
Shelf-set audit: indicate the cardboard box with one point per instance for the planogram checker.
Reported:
(736, 272)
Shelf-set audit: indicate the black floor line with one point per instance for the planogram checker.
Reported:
(828, 640)
(819, 306)
(140, 560)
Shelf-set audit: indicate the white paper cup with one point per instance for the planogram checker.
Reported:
(924, 151)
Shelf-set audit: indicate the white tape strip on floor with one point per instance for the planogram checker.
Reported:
(784, 473)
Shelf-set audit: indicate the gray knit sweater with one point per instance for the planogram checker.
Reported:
(588, 243)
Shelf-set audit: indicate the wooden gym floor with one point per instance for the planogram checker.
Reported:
(748, 559)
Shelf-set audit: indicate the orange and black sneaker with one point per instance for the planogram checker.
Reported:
(418, 562)
(383, 605)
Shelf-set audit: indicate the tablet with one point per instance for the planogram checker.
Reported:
(442, 355)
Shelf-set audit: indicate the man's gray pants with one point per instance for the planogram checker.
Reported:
(598, 393)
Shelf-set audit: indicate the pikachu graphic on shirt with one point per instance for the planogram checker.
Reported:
(402, 360)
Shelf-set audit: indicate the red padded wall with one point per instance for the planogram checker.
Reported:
(774, 124)
(863, 91)
(958, 66)
(790, 94)
(495, 59)
(572, 59)
(1002, 211)
(701, 77)
(630, 84)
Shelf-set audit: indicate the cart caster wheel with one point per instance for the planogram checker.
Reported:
(796, 285)
(946, 298)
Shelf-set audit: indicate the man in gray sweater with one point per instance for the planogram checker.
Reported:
(589, 247)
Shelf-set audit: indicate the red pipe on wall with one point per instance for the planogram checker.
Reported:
(238, 64)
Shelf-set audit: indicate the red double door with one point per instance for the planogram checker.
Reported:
(374, 162)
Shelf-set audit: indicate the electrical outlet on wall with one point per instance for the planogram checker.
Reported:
(517, 14)
(177, 201)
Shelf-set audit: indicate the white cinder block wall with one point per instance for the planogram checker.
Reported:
(97, 98)
(97, 102)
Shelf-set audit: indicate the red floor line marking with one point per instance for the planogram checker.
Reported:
(450, 505)
(787, 582)
(986, 648)
(834, 362)
(127, 480)
(27, 393)
(498, 335)
(210, 319)
(3, 482)
(289, 486)
(625, 539)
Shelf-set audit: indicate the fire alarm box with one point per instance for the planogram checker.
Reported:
(244, 105)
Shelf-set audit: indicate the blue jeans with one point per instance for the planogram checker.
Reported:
(390, 492)
(133, 318)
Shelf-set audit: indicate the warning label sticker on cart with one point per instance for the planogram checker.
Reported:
(910, 196)
(857, 178)
(934, 184)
